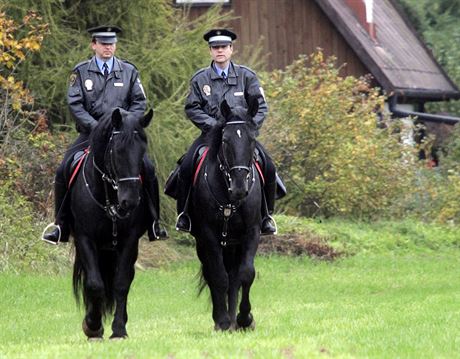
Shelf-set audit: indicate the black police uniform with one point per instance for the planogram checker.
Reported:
(207, 91)
(90, 95)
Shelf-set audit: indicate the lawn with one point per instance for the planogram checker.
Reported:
(380, 305)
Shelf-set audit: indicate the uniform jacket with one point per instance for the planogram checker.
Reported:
(90, 95)
(208, 90)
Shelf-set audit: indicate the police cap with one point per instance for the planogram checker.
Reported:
(106, 34)
(216, 37)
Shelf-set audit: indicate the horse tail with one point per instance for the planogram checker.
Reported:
(107, 268)
(202, 283)
(77, 279)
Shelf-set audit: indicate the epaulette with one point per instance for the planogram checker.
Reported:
(80, 64)
(199, 72)
(129, 62)
(247, 68)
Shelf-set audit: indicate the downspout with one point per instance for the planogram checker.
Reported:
(393, 103)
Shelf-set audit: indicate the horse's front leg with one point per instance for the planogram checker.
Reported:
(234, 284)
(93, 286)
(122, 282)
(216, 277)
(246, 275)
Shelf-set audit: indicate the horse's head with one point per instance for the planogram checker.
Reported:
(238, 144)
(124, 154)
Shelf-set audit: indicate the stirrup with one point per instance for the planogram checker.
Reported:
(276, 227)
(46, 229)
(189, 221)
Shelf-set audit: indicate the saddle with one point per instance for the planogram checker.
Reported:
(198, 159)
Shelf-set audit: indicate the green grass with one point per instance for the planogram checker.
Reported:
(381, 305)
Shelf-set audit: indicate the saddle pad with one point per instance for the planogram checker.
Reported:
(201, 157)
(78, 159)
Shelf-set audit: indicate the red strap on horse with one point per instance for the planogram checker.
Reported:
(77, 167)
(203, 156)
(259, 169)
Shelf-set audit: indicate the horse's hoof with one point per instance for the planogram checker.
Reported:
(92, 334)
(222, 327)
(246, 323)
(114, 337)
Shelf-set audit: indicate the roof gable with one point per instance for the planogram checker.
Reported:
(398, 59)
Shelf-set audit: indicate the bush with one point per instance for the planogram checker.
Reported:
(323, 131)
(20, 246)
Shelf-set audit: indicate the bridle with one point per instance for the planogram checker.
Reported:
(230, 208)
(227, 169)
(113, 210)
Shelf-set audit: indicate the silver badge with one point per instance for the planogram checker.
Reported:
(88, 85)
(207, 90)
(227, 212)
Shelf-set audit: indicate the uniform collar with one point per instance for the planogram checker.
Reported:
(116, 66)
(100, 64)
(232, 75)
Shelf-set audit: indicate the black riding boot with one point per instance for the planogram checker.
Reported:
(61, 231)
(183, 222)
(268, 207)
(154, 231)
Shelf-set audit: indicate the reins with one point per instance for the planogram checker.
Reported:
(112, 210)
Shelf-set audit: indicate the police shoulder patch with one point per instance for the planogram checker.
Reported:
(72, 78)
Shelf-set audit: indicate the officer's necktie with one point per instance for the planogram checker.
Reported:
(224, 76)
(106, 69)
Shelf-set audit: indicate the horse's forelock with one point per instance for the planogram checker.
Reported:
(103, 131)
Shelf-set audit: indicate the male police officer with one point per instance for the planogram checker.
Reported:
(222, 80)
(96, 87)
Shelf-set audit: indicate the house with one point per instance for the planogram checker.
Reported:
(370, 36)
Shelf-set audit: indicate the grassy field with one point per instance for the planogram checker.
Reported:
(379, 305)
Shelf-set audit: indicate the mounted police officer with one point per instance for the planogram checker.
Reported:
(97, 86)
(222, 80)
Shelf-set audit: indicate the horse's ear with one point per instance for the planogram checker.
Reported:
(117, 118)
(145, 120)
(225, 109)
(253, 105)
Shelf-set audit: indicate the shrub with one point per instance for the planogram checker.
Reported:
(323, 132)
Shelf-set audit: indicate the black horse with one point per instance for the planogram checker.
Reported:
(225, 211)
(110, 214)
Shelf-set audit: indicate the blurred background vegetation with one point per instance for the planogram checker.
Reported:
(339, 155)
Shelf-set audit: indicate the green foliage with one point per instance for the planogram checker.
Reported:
(438, 24)
(28, 165)
(322, 132)
(20, 247)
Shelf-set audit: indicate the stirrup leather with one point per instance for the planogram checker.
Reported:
(46, 229)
